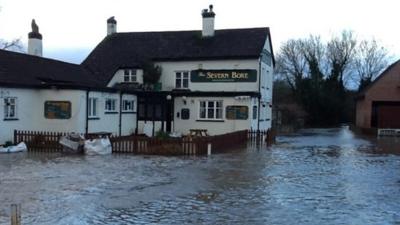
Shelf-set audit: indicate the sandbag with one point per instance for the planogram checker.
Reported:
(100, 146)
(21, 147)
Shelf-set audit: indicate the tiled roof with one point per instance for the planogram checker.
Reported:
(121, 50)
(27, 70)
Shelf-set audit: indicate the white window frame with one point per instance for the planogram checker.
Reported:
(93, 108)
(179, 75)
(112, 107)
(124, 105)
(131, 74)
(214, 109)
(8, 104)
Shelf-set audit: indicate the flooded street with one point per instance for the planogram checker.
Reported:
(313, 177)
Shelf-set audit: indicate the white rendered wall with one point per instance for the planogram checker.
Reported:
(170, 68)
(266, 91)
(119, 77)
(208, 27)
(111, 28)
(128, 123)
(109, 122)
(30, 112)
(35, 47)
(104, 122)
(213, 128)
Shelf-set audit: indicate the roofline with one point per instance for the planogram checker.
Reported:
(38, 57)
(205, 58)
(362, 93)
(176, 31)
(60, 86)
(272, 49)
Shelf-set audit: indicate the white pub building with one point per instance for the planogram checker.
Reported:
(217, 80)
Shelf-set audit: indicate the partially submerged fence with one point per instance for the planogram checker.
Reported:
(49, 142)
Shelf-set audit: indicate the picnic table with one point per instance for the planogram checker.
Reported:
(198, 132)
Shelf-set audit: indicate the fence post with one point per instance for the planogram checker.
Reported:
(209, 148)
(16, 214)
(15, 137)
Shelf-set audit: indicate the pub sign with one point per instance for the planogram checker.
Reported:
(223, 76)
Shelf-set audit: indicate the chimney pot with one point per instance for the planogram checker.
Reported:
(35, 46)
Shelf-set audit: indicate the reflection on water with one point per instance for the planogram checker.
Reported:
(325, 176)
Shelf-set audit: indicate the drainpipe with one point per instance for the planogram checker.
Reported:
(87, 113)
(259, 91)
(137, 114)
(120, 114)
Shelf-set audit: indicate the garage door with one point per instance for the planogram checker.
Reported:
(388, 116)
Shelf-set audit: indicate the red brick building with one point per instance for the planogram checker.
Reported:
(378, 106)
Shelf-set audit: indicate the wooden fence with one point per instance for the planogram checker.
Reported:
(49, 142)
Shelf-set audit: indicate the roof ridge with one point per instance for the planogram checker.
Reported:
(178, 31)
(382, 74)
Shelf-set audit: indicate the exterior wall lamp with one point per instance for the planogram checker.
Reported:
(184, 100)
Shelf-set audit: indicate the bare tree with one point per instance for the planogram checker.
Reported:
(291, 63)
(340, 53)
(319, 73)
(13, 45)
(369, 62)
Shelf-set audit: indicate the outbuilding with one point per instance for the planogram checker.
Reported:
(378, 106)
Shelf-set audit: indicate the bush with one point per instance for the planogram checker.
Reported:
(8, 143)
(162, 135)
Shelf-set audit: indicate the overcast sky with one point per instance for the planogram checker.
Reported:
(71, 28)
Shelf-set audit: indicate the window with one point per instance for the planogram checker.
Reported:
(130, 75)
(158, 112)
(234, 112)
(255, 112)
(57, 110)
(92, 107)
(142, 111)
(210, 110)
(110, 105)
(10, 108)
(182, 79)
(128, 105)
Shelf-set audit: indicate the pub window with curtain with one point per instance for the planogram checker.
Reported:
(236, 112)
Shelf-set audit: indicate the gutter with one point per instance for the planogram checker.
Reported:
(87, 113)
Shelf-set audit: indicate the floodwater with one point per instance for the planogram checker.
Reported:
(313, 177)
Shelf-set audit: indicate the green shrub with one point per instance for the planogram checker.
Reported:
(8, 143)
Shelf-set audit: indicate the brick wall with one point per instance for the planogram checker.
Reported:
(386, 88)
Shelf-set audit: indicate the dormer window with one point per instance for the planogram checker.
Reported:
(130, 75)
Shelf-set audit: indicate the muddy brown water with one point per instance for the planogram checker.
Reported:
(312, 177)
